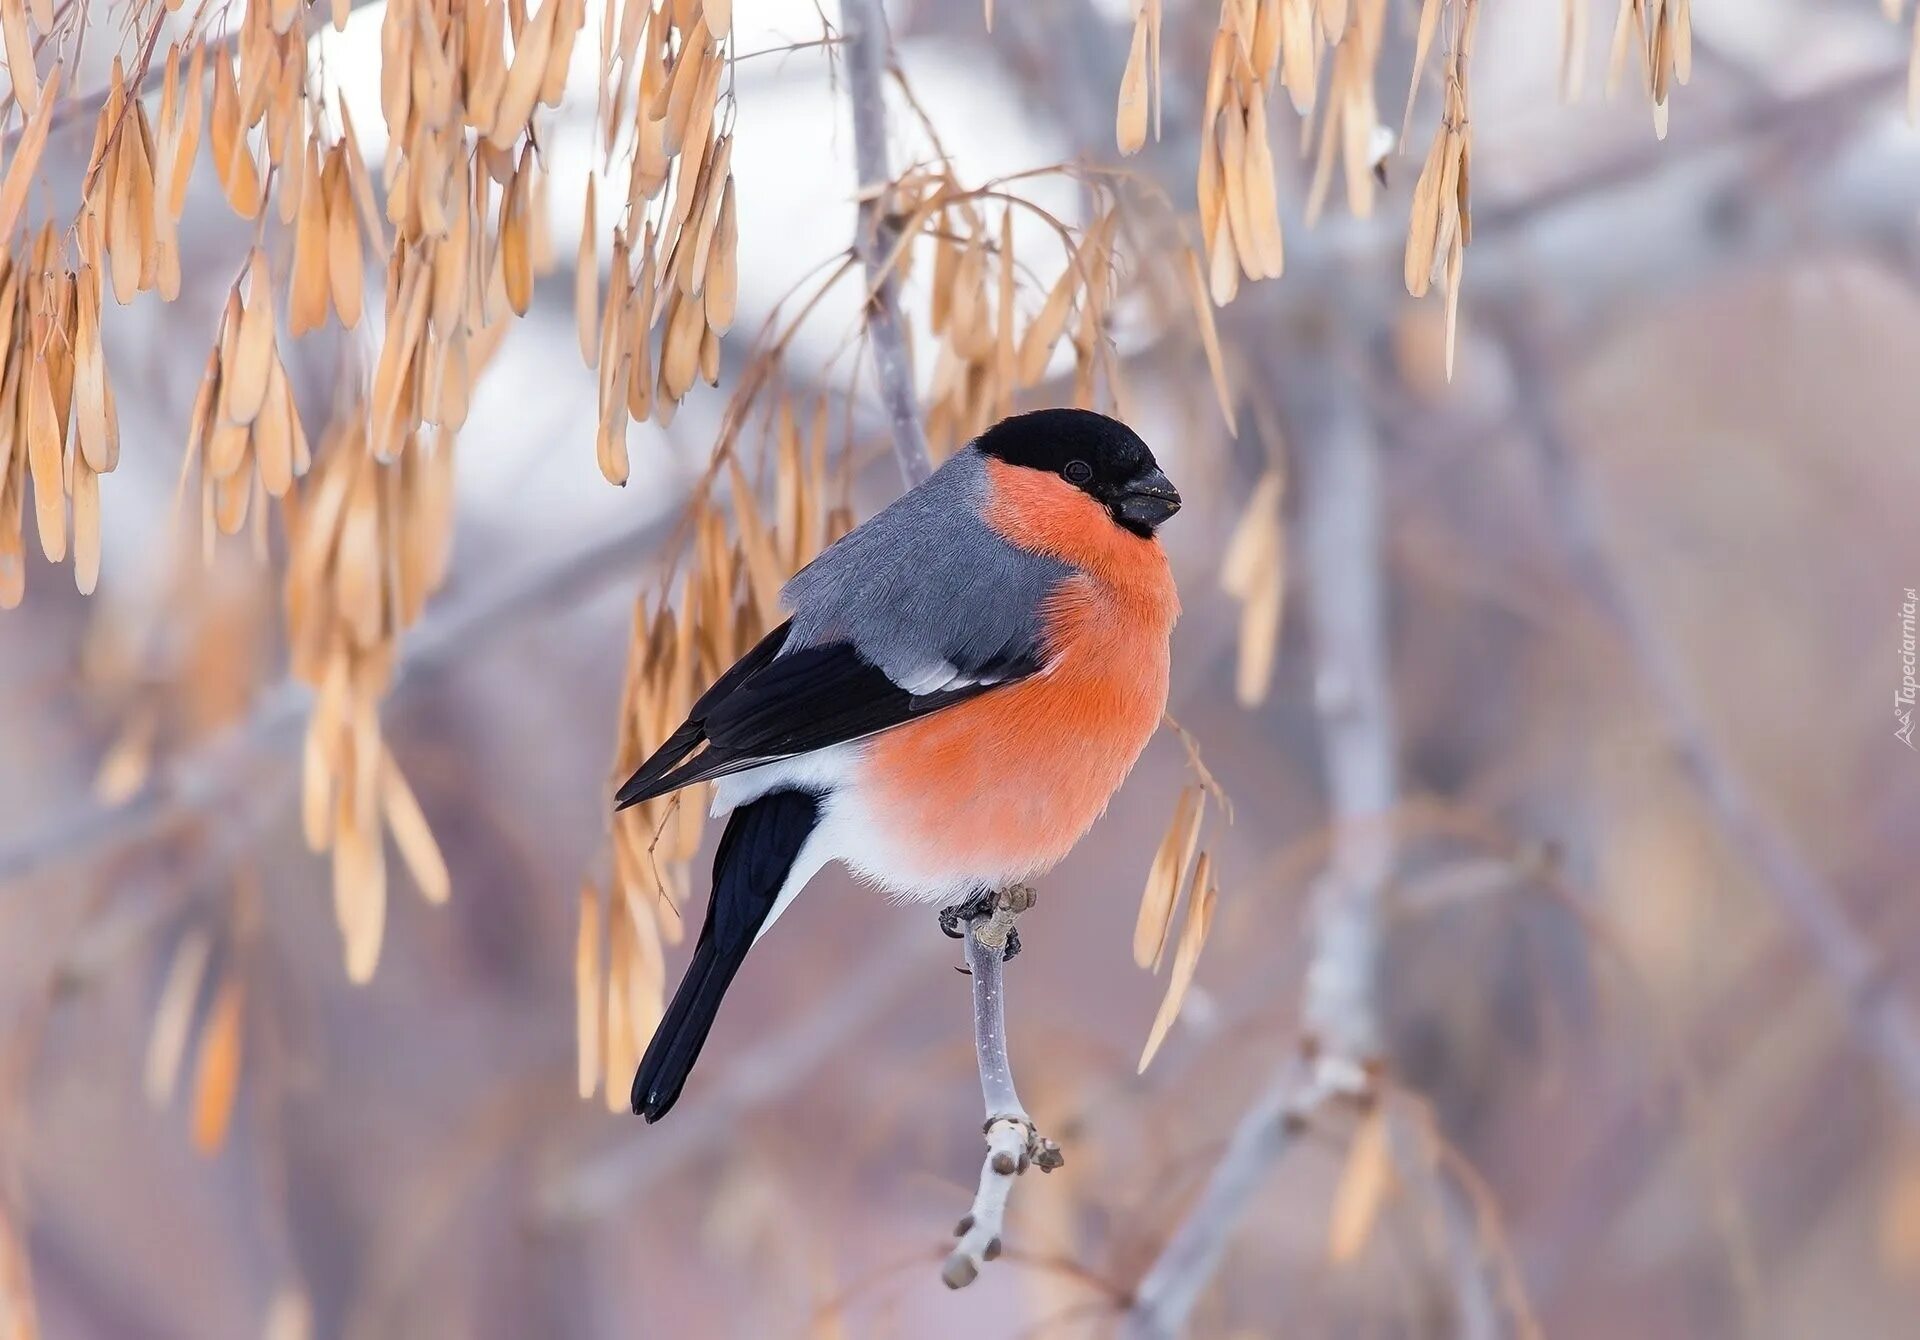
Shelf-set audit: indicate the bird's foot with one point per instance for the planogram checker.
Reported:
(1016, 898)
(995, 909)
(953, 920)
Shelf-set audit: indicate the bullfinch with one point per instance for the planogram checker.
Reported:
(964, 683)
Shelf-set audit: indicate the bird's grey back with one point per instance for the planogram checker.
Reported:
(926, 590)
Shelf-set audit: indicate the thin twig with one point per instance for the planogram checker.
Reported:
(869, 56)
(1883, 1021)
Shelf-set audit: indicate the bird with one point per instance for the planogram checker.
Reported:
(964, 681)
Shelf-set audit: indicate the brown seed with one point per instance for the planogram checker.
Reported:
(216, 1078)
(307, 304)
(1422, 44)
(1366, 1180)
(145, 191)
(723, 277)
(680, 348)
(588, 987)
(1043, 332)
(44, 449)
(232, 155)
(186, 135)
(411, 834)
(715, 177)
(122, 229)
(484, 63)
(233, 496)
(86, 526)
(567, 25)
(359, 896)
(516, 239)
(273, 435)
(1003, 362)
(93, 412)
(689, 72)
(1263, 201)
(764, 577)
(26, 81)
(1165, 877)
(1130, 118)
(1193, 937)
(345, 269)
(524, 76)
(26, 155)
(710, 357)
(173, 1016)
(245, 378)
(586, 288)
(1233, 160)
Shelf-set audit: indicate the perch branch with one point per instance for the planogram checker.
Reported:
(1013, 1142)
(1881, 1017)
(869, 57)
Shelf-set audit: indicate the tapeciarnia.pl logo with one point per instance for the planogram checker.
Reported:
(1903, 699)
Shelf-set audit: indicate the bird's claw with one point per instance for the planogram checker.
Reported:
(985, 905)
(953, 920)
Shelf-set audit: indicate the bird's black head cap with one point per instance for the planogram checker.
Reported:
(1097, 455)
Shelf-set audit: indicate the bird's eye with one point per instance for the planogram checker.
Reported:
(1078, 472)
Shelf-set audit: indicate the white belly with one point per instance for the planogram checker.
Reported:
(846, 833)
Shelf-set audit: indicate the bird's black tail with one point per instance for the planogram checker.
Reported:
(756, 852)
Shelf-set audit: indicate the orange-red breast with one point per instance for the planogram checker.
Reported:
(965, 681)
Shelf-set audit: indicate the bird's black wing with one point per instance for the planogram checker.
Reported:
(770, 706)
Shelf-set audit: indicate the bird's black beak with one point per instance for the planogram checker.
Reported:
(1147, 501)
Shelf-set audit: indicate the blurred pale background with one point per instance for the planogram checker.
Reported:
(1683, 1090)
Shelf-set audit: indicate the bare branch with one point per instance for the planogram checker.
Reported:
(869, 57)
(204, 777)
(1345, 599)
(1189, 1258)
